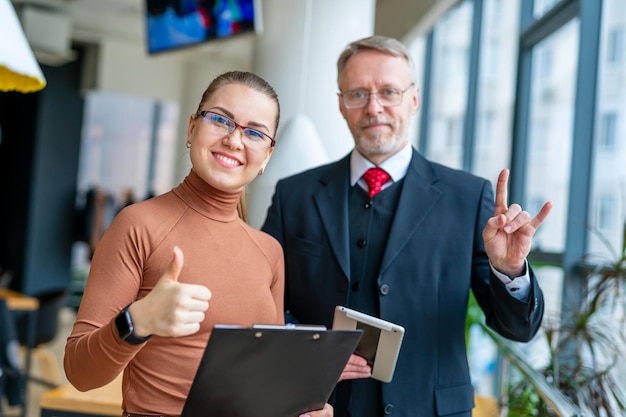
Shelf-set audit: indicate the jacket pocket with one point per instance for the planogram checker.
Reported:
(454, 399)
(299, 246)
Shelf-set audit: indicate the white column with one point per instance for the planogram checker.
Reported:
(297, 53)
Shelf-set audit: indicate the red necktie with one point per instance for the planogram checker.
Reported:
(375, 178)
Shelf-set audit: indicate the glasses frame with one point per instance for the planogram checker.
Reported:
(374, 93)
(204, 113)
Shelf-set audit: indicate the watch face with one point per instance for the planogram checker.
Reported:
(124, 324)
(125, 328)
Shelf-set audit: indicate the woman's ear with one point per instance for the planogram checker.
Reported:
(267, 159)
(191, 126)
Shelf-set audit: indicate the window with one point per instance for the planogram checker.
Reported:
(607, 202)
(608, 130)
(615, 46)
(486, 131)
(496, 87)
(542, 7)
(606, 213)
(550, 128)
(544, 62)
(449, 85)
(128, 143)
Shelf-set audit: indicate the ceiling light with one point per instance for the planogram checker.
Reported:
(19, 70)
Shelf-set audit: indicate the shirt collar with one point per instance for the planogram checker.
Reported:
(396, 165)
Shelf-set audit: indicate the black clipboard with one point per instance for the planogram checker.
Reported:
(273, 371)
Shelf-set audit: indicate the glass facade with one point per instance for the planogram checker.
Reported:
(549, 102)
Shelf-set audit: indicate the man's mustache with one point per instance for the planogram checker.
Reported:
(374, 120)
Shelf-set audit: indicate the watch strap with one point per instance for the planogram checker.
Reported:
(126, 328)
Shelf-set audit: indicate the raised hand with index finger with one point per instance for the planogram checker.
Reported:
(508, 234)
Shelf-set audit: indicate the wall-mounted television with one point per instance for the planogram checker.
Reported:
(175, 24)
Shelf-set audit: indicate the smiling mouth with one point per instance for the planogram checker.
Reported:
(227, 160)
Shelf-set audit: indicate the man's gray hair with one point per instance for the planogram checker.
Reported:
(384, 44)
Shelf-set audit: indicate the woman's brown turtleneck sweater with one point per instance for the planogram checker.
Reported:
(243, 268)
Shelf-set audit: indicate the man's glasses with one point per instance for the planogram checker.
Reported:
(223, 126)
(386, 97)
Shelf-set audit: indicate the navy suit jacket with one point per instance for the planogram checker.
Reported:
(434, 255)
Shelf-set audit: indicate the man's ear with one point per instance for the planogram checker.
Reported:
(342, 109)
(415, 101)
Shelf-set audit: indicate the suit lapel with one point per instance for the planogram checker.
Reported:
(332, 205)
(419, 195)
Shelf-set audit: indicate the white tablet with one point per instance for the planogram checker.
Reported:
(380, 343)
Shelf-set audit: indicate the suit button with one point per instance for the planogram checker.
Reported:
(388, 409)
(361, 243)
(355, 286)
(367, 205)
(384, 290)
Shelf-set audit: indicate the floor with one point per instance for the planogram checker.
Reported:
(57, 347)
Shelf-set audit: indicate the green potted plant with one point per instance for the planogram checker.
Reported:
(583, 345)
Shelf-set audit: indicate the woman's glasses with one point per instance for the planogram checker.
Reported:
(219, 124)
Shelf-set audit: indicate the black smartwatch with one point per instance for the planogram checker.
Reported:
(126, 330)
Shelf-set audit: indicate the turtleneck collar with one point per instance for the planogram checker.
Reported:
(207, 200)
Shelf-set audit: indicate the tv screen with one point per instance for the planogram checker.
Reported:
(174, 24)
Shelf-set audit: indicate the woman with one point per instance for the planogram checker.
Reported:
(140, 287)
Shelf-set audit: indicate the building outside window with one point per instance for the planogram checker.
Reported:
(449, 85)
(615, 46)
(496, 87)
(609, 171)
(608, 131)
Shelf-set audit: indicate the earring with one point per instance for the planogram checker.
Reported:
(188, 145)
(261, 171)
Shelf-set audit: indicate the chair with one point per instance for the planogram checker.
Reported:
(47, 326)
(50, 305)
(11, 385)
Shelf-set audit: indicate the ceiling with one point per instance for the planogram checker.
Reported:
(94, 19)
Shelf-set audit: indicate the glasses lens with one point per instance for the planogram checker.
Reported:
(256, 138)
(355, 98)
(220, 123)
(389, 97)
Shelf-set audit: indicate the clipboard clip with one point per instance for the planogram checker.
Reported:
(290, 326)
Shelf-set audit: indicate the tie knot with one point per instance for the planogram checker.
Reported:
(375, 178)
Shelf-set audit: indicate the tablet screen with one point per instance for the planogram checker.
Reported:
(369, 342)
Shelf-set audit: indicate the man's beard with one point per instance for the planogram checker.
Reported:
(379, 143)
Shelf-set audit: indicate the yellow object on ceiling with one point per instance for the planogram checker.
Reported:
(19, 70)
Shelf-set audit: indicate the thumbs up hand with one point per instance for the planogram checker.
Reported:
(172, 308)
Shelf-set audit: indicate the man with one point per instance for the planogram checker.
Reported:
(409, 254)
